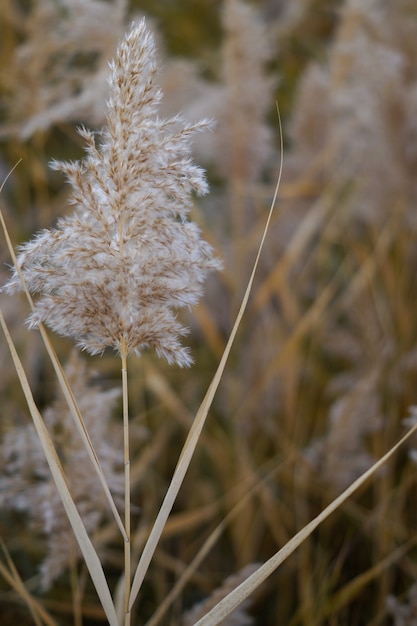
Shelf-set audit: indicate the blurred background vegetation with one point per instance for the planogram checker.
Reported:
(323, 375)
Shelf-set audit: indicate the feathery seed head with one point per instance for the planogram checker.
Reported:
(114, 272)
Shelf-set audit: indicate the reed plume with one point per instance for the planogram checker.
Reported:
(113, 273)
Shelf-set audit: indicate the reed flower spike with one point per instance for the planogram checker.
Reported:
(114, 272)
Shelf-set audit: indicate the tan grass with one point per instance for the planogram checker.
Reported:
(333, 308)
(235, 597)
(10, 573)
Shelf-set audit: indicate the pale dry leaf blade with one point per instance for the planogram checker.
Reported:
(79, 422)
(240, 593)
(197, 426)
(87, 549)
(211, 541)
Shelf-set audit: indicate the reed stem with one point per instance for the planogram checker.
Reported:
(127, 545)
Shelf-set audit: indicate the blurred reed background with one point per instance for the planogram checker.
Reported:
(322, 378)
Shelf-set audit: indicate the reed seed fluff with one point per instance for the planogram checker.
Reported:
(115, 271)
